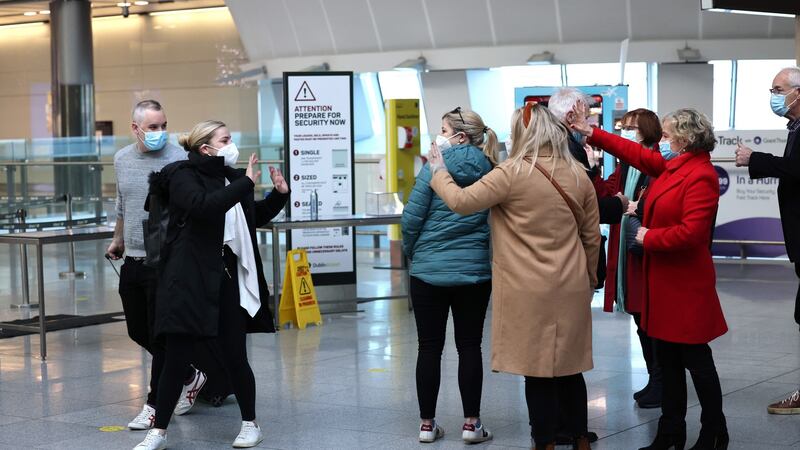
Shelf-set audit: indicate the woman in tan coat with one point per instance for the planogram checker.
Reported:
(545, 238)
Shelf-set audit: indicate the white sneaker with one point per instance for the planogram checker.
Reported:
(153, 441)
(145, 420)
(430, 433)
(474, 433)
(189, 393)
(249, 436)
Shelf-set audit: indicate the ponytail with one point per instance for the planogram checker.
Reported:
(471, 124)
(491, 146)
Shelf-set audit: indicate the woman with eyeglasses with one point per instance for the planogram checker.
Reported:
(681, 310)
(545, 244)
(450, 270)
(625, 280)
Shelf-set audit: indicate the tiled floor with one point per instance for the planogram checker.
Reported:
(350, 383)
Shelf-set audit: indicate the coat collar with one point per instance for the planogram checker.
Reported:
(209, 165)
(214, 166)
(676, 171)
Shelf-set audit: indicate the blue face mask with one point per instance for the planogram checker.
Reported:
(778, 104)
(155, 140)
(629, 135)
(666, 150)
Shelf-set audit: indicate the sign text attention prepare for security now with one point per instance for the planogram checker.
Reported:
(316, 115)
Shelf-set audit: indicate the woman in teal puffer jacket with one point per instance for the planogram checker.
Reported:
(451, 269)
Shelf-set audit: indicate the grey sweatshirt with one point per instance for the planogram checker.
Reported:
(132, 168)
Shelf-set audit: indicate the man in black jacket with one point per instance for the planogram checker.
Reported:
(561, 104)
(785, 102)
(611, 208)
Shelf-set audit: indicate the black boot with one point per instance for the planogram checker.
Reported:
(668, 440)
(638, 394)
(652, 398)
(648, 353)
(711, 441)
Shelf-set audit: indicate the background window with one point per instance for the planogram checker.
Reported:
(608, 73)
(491, 92)
(754, 78)
(723, 70)
(406, 84)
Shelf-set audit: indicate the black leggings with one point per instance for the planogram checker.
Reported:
(648, 346)
(230, 346)
(432, 306)
(551, 398)
(675, 359)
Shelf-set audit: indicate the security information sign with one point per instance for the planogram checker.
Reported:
(748, 209)
(318, 126)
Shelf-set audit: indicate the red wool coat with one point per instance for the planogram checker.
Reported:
(680, 302)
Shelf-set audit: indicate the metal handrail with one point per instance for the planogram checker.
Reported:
(747, 242)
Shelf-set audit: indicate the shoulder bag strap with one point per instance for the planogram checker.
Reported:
(563, 195)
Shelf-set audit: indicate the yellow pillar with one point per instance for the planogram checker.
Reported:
(402, 147)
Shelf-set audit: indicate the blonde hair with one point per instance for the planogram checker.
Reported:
(200, 135)
(471, 124)
(694, 128)
(542, 132)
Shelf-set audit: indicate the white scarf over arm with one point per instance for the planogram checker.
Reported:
(237, 237)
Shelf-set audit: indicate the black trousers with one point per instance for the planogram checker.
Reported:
(675, 359)
(230, 344)
(432, 305)
(137, 289)
(648, 345)
(556, 404)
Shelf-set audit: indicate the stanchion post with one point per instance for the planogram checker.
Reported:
(23, 256)
(72, 274)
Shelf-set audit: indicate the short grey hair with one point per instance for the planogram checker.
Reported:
(564, 99)
(142, 106)
(793, 74)
(693, 127)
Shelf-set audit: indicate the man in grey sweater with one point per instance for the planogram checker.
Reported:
(137, 285)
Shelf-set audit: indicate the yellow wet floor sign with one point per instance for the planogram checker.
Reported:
(299, 304)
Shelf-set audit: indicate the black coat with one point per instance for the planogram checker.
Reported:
(787, 170)
(190, 278)
(610, 207)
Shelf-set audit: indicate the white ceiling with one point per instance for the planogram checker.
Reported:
(272, 29)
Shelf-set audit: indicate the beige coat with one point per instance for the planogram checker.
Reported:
(543, 264)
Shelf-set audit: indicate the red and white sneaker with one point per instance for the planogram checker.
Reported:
(474, 433)
(189, 393)
(145, 420)
(430, 432)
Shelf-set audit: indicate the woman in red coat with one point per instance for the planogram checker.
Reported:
(681, 309)
(624, 282)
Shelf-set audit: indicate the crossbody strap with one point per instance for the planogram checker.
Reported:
(563, 195)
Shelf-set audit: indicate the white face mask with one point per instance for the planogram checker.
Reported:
(443, 142)
(229, 152)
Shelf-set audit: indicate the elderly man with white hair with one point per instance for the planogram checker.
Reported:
(785, 102)
(561, 104)
(611, 208)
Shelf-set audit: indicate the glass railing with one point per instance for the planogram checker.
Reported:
(37, 176)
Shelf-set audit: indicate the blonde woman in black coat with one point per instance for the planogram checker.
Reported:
(211, 283)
